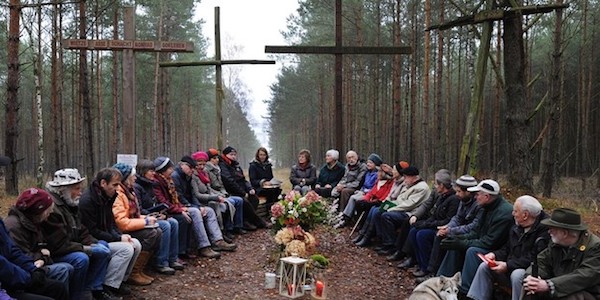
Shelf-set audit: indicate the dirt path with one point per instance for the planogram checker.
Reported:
(354, 273)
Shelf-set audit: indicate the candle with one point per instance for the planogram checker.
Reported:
(319, 285)
(291, 289)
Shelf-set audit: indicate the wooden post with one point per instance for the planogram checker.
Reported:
(129, 98)
(219, 79)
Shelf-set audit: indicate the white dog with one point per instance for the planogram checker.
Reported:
(437, 288)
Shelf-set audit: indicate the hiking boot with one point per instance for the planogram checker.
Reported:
(105, 295)
(419, 273)
(407, 263)
(227, 237)
(222, 245)
(209, 253)
(357, 238)
(165, 270)
(249, 227)
(398, 255)
(177, 265)
(123, 290)
(238, 231)
(420, 280)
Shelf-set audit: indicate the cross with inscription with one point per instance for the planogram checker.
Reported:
(129, 45)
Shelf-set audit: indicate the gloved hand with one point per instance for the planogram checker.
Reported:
(38, 277)
(453, 244)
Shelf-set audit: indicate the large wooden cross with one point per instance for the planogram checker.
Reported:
(486, 16)
(129, 45)
(218, 63)
(338, 50)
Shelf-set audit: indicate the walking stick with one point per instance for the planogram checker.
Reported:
(357, 222)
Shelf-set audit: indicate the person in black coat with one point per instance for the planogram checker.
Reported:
(236, 184)
(261, 174)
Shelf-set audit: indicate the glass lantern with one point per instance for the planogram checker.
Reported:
(319, 285)
(292, 270)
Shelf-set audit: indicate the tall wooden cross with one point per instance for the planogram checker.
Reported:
(129, 45)
(487, 16)
(338, 50)
(218, 63)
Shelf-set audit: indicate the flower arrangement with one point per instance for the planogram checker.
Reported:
(295, 209)
(294, 240)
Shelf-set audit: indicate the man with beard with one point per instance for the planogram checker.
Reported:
(70, 241)
(96, 214)
(570, 267)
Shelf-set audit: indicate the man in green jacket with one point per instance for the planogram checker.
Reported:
(570, 267)
(490, 234)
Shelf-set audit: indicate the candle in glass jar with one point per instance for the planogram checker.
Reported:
(319, 286)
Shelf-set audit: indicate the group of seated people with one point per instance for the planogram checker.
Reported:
(68, 241)
(501, 249)
(65, 242)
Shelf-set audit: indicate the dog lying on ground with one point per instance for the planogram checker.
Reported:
(437, 288)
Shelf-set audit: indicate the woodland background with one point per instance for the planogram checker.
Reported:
(410, 107)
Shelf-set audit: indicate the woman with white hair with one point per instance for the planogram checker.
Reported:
(329, 174)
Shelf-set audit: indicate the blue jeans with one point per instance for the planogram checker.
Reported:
(88, 272)
(470, 266)
(373, 216)
(238, 217)
(422, 241)
(483, 282)
(61, 272)
(387, 225)
(169, 243)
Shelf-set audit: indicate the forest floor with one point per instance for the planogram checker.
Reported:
(354, 273)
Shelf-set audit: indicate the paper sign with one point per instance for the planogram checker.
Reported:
(128, 159)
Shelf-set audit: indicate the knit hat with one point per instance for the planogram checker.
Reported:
(401, 165)
(443, 177)
(212, 152)
(375, 159)
(410, 171)
(125, 169)
(200, 155)
(64, 177)
(228, 150)
(188, 160)
(466, 181)
(487, 186)
(162, 163)
(4, 161)
(33, 201)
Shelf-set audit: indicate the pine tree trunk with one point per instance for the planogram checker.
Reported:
(519, 157)
(12, 100)
(37, 71)
(116, 111)
(84, 94)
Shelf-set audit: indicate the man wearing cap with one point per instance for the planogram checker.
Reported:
(423, 224)
(466, 217)
(95, 210)
(527, 238)
(182, 178)
(70, 241)
(414, 192)
(353, 178)
(490, 234)
(570, 267)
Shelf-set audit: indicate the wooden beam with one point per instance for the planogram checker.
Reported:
(337, 50)
(497, 14)
(216, 62)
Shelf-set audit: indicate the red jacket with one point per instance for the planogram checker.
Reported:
(378, 193)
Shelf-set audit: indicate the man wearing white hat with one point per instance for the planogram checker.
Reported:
(70, 241)
(490, 234)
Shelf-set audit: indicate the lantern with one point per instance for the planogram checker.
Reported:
(292, 270)
(319, 288)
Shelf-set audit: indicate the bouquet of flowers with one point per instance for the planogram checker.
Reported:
(294, 209)
(294, 240)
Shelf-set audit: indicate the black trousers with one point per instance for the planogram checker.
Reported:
(50, 289)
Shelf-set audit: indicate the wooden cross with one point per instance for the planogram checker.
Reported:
(129, 45)
(486, 16)
(218, 63)
(338, 50)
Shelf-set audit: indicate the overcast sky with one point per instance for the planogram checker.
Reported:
(251, 24)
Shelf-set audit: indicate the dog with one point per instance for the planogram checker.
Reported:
(437, 288)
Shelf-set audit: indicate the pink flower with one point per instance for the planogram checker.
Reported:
(291, 196)
(312, 196)
(277, 210)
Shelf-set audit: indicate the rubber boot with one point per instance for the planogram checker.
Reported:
(137, 275)
(146, 264)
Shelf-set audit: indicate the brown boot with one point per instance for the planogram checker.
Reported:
(221, 245)
(209, 252)
(137, 276)
(147, 257)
